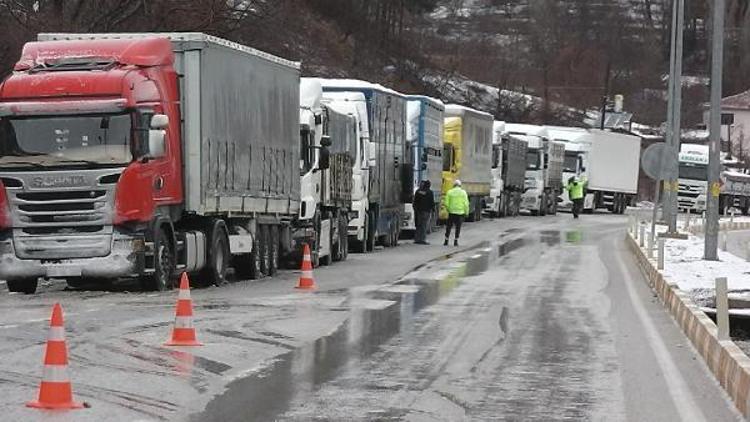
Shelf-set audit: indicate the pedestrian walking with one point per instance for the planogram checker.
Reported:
(456, 202)
(575, 189)
(424, 205)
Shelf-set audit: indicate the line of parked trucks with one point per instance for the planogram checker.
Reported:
(145, 155)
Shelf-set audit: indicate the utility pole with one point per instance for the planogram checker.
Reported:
(714, 158)
(674, 135)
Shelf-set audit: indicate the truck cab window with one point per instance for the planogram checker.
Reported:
(104, 139)
(447, 157)
(495, 156)
(306, 151)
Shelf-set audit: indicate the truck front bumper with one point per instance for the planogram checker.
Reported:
(531, 199)
(126, 259)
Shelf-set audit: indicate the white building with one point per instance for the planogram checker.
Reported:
(739, 106)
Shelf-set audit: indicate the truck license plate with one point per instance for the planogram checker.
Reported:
(64, 271)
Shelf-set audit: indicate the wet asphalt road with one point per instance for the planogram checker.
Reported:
(548, 319)
(560, 326)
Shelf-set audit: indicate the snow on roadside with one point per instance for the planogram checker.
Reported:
(684, 265)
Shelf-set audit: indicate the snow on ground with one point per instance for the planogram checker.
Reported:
(684, 265)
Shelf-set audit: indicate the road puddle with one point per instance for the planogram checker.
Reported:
(377, 315)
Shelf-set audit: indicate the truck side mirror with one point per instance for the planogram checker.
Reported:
(159, 121)
(372, 154)
(325, 141)
(157, 146)
(324, 158)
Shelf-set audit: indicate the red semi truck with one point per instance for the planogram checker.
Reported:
(143, 155)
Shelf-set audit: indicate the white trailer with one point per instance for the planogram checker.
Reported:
(608, 161)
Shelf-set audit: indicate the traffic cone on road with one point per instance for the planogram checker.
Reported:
(55, 392)
(306, 280)
(183, 333)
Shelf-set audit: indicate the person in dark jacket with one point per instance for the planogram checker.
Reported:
(424, 205)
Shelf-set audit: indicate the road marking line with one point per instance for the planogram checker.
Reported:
(682, 397)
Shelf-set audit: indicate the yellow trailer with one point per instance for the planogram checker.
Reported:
(467, 155)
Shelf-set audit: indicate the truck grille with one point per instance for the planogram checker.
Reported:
(61, 208)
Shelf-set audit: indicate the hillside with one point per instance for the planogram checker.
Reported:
(493, 54)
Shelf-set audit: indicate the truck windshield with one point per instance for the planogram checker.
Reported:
(571, 162)
(533, 160)
(693, 171)
(66, 140)
(496, 151)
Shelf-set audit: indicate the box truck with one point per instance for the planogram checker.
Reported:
(145, 155)
(467, 155)
(608, 161)
(507, 174)
(424, 136)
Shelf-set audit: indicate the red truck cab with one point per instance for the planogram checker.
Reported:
(90, 161)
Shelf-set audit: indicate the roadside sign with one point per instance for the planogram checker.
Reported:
(652, 159)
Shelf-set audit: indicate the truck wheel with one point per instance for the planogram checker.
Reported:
(388, 238)
(543, 205)
(275, 252)
(328, 259)
(256, 257)
(338, 251)
(344, 239)
(265, 250)
(25, 285)
(372, 233)
(360, 246)
(218, 256)
(164, 264)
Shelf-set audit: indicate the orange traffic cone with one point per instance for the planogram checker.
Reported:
(183, 333)
(306, 280)
(55, 392)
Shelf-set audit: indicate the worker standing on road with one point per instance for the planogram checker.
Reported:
(424, 205)
(456, 202)
(575, 193)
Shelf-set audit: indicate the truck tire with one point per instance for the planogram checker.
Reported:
(275, 251)
(26, 285)
(328, 259)
(164, 264)
(252, 262)
(215, 271)
(265, 250)
(543, 205)
(344, 238)
(372, 232)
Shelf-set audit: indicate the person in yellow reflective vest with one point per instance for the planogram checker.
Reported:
(456, 202)
(575, 190)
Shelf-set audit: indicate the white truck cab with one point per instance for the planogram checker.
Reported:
(693, 177)
(354, 104)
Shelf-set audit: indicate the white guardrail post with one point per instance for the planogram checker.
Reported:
(641, 235)
(650, 245)
(660, 252)
(722, 308)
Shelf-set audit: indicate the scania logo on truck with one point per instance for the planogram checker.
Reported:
(58, 181)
